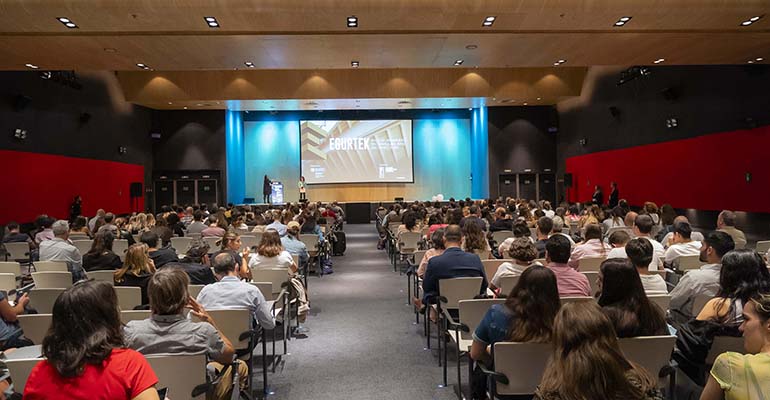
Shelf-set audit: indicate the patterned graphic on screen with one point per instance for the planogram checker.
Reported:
(356, 151)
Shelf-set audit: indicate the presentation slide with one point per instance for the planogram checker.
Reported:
(356, 151)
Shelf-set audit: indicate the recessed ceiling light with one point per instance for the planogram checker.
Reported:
(170, 103)
(538, 98)
(750, 61)
(488, 21)
(625, 19)
(211, 22)
(249, 64)
(622, 21)
(751, 20)
(472, 47)
(210, 19)
(559, 62)
(352, 21)
(142, 66)
(759, 59)
(63, 20)
(67, 22)
(33, 66)
(525, 103)
(754, 19)
(458, 63)
(658, 61)
(354, 64)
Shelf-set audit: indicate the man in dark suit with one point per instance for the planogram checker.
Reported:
(453, 263)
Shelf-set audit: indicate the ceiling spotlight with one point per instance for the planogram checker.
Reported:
(67, 22)
(185, 107)
(559, 62)
(354, 64)
(33, 66)
(211, 22)
(672, 122)
(249, 64)
(759, 59)
(488, 21)
(539, 98)
(658, 61)
(20, 134)
(622, 21)
(750, 61)
(751, 20)
(352, 21)
(142, 66)
(458, 63)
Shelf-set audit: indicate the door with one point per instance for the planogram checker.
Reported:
(185, 192)
(507, 185)
(207, 191)
(547, 188)
(164, 193)
(528, 186)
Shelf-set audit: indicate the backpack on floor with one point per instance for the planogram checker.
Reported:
(339, 245)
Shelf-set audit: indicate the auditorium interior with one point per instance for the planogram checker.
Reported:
(360, 116)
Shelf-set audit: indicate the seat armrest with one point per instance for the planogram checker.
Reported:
(498, 377)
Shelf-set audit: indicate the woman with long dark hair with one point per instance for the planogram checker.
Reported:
(624, 302)
(101, 256)
(526, 316)
(587, 362)
(744, 274)
(85, 354)
(475, 241)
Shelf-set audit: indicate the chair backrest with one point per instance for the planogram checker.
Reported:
(134, 315)
(410, 240)
(119, 247)
(20, 370)
(128, 297)
(179, 373)
(575, 299)
(500, 236)
(50, 266)
(138, 236)
(248, 241)
(78, 236)
(507, 283)
(7, 281)
(83, 245)
(651, 352)
(49, 280)
(17, 251)
(723, 344)
(35, 326)
(211, 241)
(588, 264)
(456, 289)
(194, 236)
(232, 323)
(194, 290)
(510, 357)
(42, 299)
(418, 256)
(277, 276)
(181, 244)
(104, 275)
(266, 288)
(242, 231)
(393, 227)
(662, 300)
(10, 267)
(699, 302)
(593, 279)
(472, 312)
(763, 246)
(689, 262)
(619, 228)
(483, 254)
(310, 240)
(491, 266)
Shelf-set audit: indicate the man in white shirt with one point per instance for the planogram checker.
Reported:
(681, 245)
(642, 229)
(640, 253)
(92, 222)
(703, 281)
(668, 240)
(618, 240)
(61, 249)
(558, 225)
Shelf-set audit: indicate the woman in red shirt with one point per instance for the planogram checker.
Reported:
(85, 353)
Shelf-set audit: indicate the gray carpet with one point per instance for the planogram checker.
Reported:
(362, 342)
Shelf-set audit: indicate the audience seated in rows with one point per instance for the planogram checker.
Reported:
(160, 255)
(473, 217)
(213, 229)
(85, 357)
(14, 235)
(523, 253)
(475, 241)
(230, 243)
(196, 226)
(618, 241)
(277, 225)
(668, 239)
(92, 222)
(642, 229)
(639, 252)
(293, 244)
(137, 269)
(11, 335)
(437, 249)
(47, 232)
(681, 245)
(101, 256)
(196, 264)
(503, 221)
(569, 281)
(543, 229)
(592, 246)
(168, 331)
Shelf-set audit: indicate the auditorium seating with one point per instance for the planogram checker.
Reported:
(589, 264)
(35, 326)
(52, 279)
(510, 376)
(106, 276)
(179, 373)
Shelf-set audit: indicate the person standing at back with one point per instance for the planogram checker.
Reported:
(598, 196)
(267, 190)
(613, 195)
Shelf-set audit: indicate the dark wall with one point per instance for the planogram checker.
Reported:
(519, 140)
(52, 119)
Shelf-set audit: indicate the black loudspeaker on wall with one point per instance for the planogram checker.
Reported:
(136, 189)
(568, 180)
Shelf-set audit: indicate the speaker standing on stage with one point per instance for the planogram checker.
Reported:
(302, 188)
(266, 190)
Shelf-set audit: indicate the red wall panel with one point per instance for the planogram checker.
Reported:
(34, 183)
(706, 172)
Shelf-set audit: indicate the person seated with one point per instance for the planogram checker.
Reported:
(46, 232)
(61, 249)
(85, 357)
(160, 255)
(614, 219)
(543, 229)
(437, 240)
(92, 222)
(584, 344)
(123, 231)
(726, 223)
(639, 251)
(310, 225)
(109, 218)
(569, 281)
(163, 231)
(523, 253)
(277, 225)
(136, 270)
(618, 241)
(213, 230)
(293, 245)
(175, 225)
(101, 256)
(475, 241)
(558, 226)
(230, 292)
(624, 301)
(197, 225)
(681, 245)
(453, 263)
(270, 254)
(642, 229)
(168, 331)
(736, 376)
(593, 215)
(11, 335)
(592, 246)
(409, 224)
(668, 238)
(196, 264)
(503, 221)
(14, 235)
(231, 243)
(473, 217)
(80, 225)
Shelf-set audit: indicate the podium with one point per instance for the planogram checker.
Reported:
(276, 193)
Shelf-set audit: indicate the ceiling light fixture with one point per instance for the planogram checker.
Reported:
(352, 21)
(658, 61)
(751, 20)
(355, 64)
(67, 22)
(249, 64)
(33, 66)
(142, 66)
(759, 59)
(211, 22)
(622, 21)
(559, 62)
(458, 63)
(488, 21)
(472, 47)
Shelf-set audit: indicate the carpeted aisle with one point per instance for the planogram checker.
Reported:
(362, 342)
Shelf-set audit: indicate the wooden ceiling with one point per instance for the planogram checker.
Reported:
(392, 34)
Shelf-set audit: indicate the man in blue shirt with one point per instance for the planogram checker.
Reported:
(292, 244)
(277, 225)
(453, 263)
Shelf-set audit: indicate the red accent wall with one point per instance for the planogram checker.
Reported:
(35, 183)
(705, 172)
